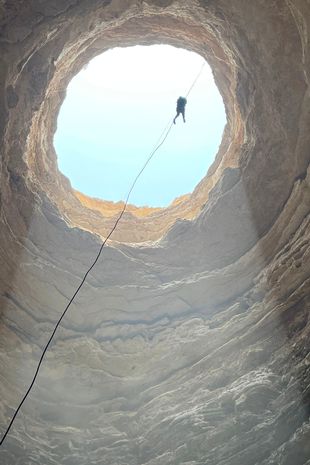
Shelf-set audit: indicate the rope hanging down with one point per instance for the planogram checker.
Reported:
(158, 144)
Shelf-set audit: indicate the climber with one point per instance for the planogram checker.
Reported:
(181, 102)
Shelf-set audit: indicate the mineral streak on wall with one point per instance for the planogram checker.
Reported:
(189, 343)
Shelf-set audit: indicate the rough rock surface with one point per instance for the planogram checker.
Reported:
(189, 343)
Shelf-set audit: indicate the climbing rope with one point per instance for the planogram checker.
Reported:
(158, 144)
(196, 79)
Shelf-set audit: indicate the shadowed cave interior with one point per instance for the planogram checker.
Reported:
(189, 343)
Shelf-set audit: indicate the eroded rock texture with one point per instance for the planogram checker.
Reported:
(189, 343)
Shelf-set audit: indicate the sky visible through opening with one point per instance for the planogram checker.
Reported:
(114, 112)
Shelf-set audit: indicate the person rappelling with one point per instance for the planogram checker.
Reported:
(181, 102)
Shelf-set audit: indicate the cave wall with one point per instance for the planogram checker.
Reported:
(189, 342)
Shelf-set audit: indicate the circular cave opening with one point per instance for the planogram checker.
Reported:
(115, 109)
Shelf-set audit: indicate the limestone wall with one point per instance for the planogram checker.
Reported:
(189, 343)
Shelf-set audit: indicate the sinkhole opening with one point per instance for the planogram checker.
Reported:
(114, 112)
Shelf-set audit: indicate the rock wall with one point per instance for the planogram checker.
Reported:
(189, 343)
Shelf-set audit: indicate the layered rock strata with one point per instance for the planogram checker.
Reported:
(189, 342)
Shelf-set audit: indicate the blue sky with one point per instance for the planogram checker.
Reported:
(116, 109)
